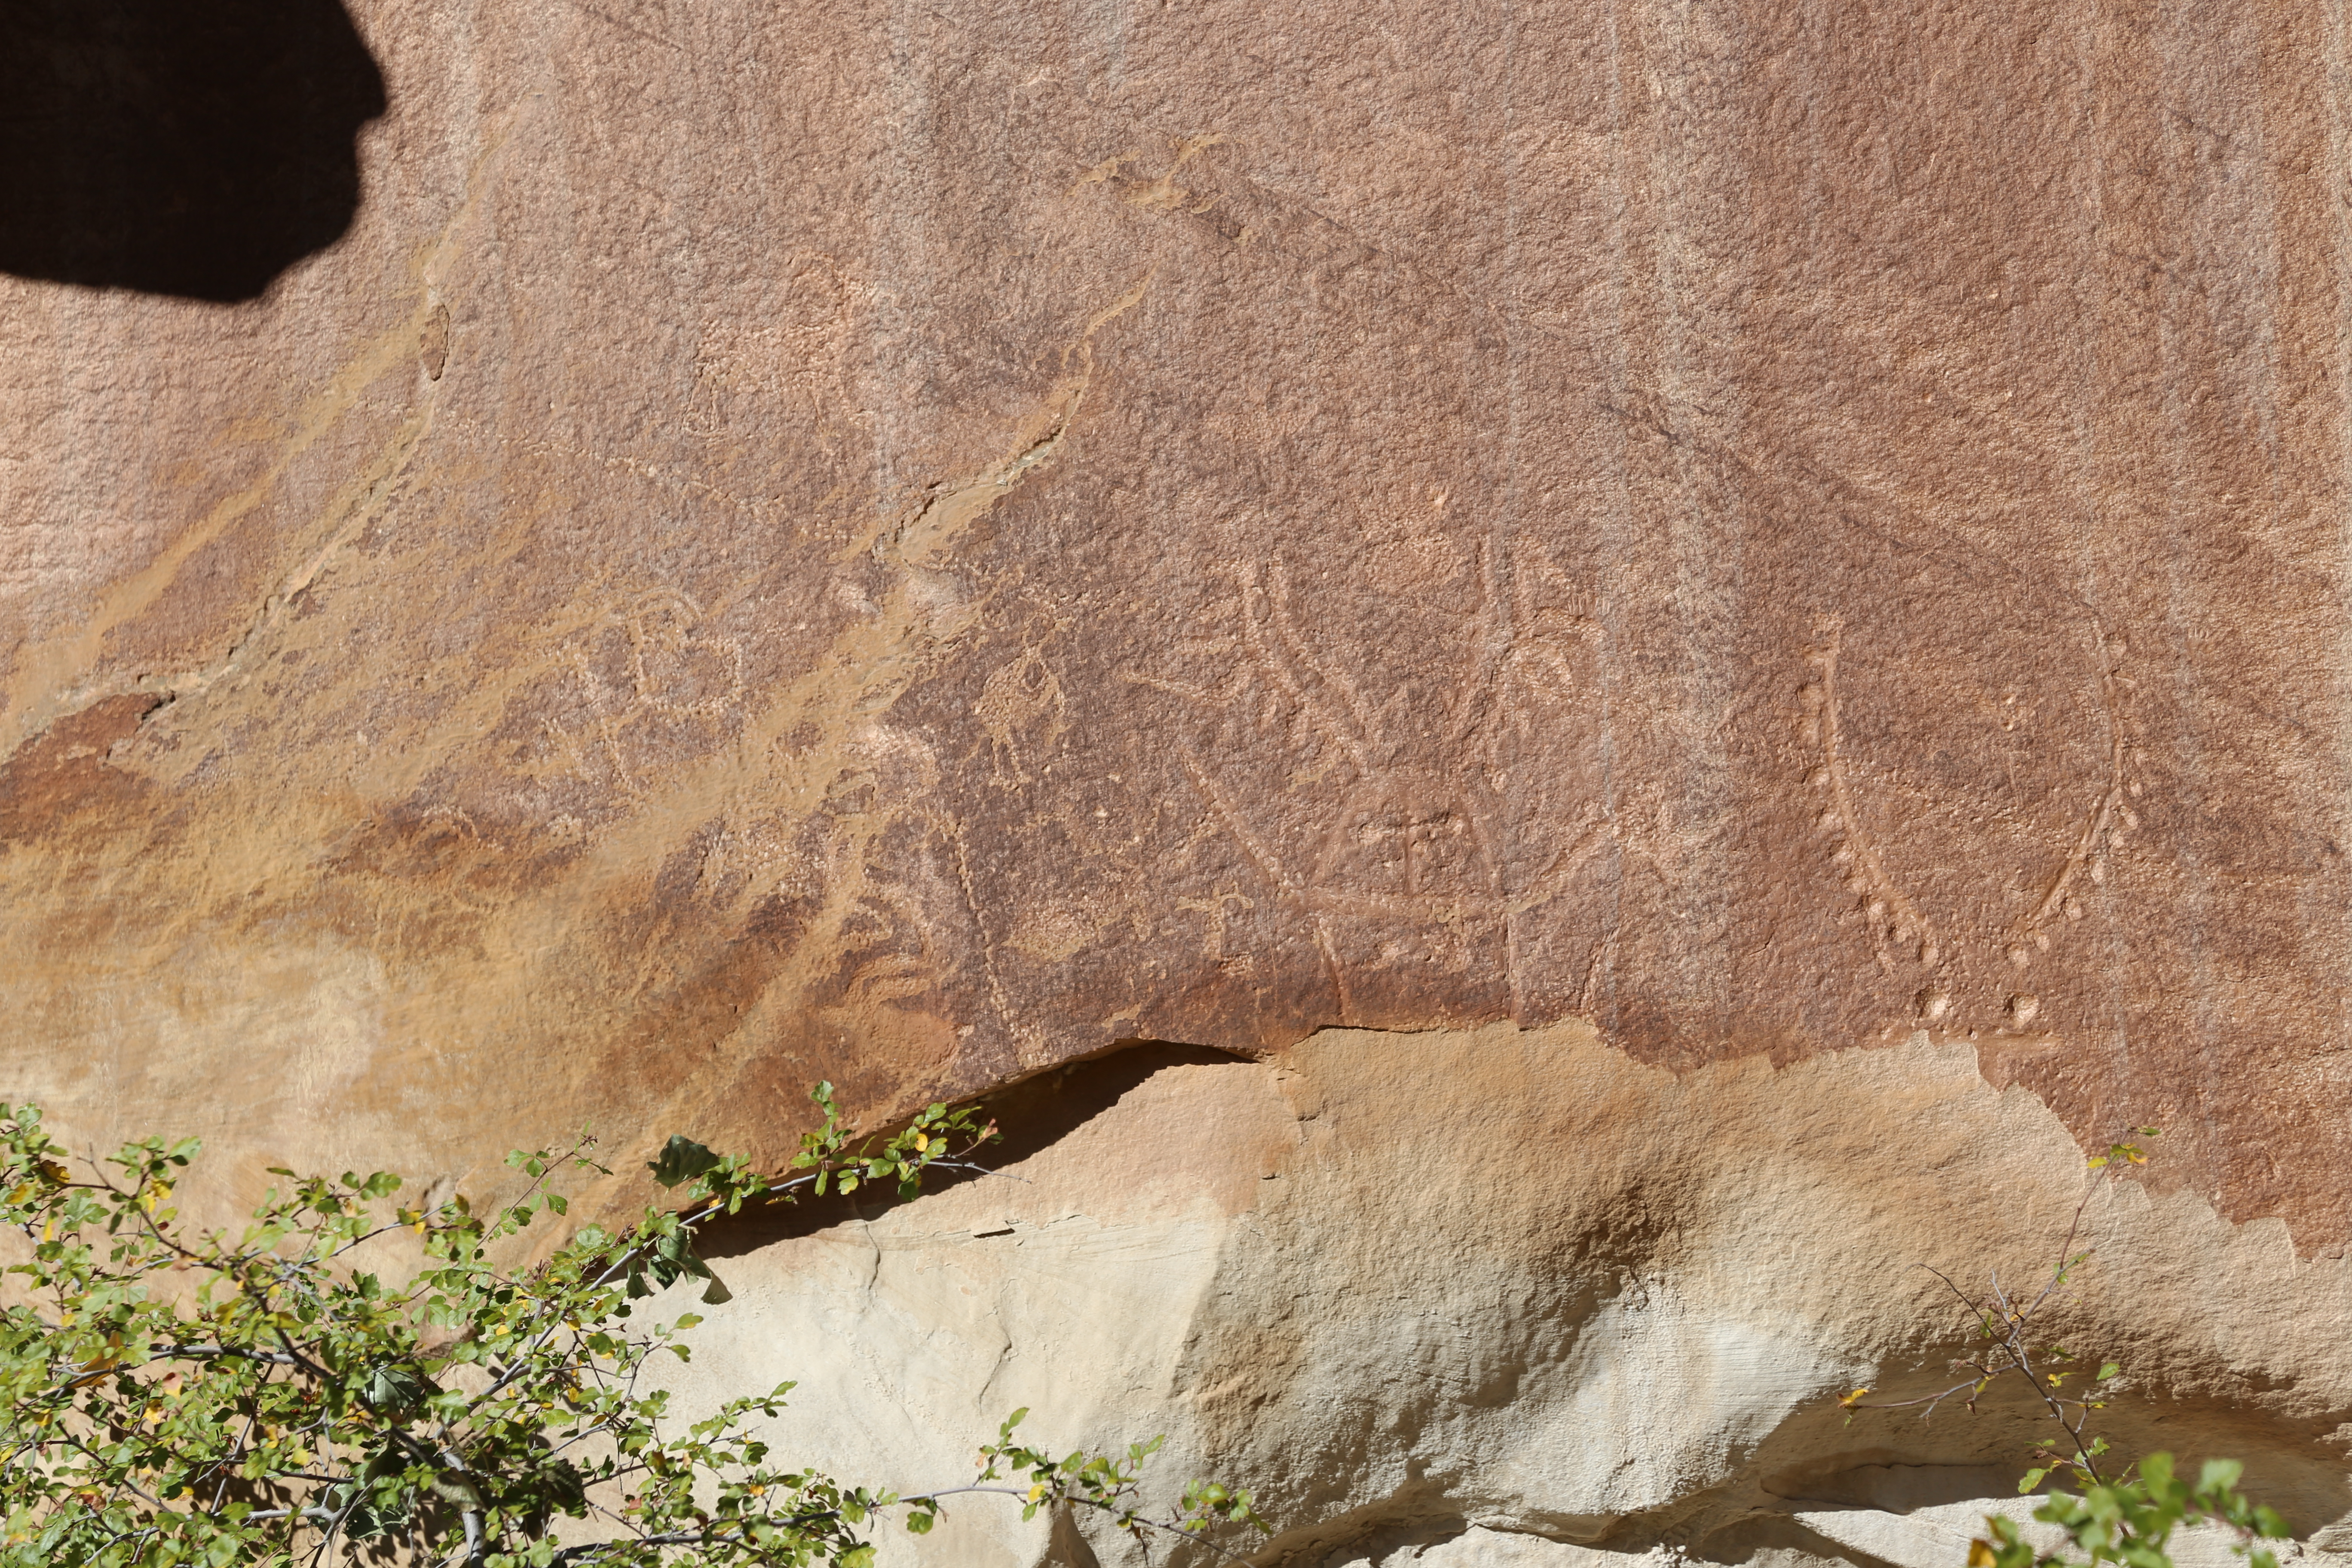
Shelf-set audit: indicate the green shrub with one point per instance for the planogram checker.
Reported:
(169, 1398)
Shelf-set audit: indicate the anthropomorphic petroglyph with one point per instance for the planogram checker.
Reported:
(1401, 795)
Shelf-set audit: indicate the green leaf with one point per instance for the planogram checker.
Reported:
(2219, 1475)
(369, 1517)
(682, 1160)
(562, 1484)
(394, 1386)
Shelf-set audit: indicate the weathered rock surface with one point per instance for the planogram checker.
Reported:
(1497, 1297)
(1772, 574)
(913, 543)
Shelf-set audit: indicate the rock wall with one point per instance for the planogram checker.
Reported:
(1503, 1298)
(1770, 578)
(910, 544)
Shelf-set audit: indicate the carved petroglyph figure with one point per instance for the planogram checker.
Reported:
(1213, 935)
(797, 360)
(651, 660)
(674, 668)
(1894, 922)
(1023, 699)
(1401, 807)
(1401, 840)
(1404, 835)
(1941, 950)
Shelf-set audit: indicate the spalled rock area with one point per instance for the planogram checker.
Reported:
(1509, 1297)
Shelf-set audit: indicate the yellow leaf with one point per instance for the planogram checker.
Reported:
(1981, 1555)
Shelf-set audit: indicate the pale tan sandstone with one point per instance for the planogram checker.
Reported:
(1515, 1285)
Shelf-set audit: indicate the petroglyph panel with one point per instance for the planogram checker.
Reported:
(1972, 818)
(912, 546)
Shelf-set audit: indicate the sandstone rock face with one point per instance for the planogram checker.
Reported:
(1499, 1298)
(1764, 584)
(913, 543)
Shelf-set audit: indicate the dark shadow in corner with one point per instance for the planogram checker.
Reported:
(1031, 1114)
(188, 147)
